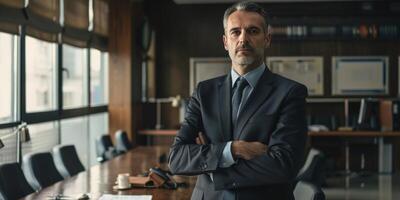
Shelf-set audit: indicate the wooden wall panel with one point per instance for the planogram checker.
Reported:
(185, 31)
(120, 78)
(124, 68)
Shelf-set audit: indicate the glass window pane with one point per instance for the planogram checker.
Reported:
(8, 154)
(44, 137)
(98, 77)
(98, 125)
(74, 131)
(8, 46)
(74, 77)
(41, 71)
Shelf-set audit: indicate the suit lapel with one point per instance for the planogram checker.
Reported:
(255, 100)
(224, 99)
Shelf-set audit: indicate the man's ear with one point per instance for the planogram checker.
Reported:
(224, 39)
(267, 39)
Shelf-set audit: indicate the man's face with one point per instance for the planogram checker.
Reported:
(245, 38)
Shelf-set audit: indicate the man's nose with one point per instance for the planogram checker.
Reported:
(243, 38)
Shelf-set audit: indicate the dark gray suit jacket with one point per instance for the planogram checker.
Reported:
(274, 114)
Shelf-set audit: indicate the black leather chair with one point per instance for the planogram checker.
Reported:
(308, 191)
(123, 143)
(13, 184)
(104, 148)
(39, 170)
(67, 160)
(313, 170)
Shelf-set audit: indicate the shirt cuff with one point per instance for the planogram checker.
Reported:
(227, 158)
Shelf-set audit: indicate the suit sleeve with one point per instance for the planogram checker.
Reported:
(285, 150)
(186, 157)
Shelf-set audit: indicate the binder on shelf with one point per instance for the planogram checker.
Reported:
(389, 115)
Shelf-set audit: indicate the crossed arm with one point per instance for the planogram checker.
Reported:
(257, 164)
(240, 149)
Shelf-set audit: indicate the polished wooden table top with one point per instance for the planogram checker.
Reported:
(100, 179)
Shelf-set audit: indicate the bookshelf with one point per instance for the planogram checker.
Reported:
(349, 28)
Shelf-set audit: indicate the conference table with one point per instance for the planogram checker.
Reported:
(100, 179)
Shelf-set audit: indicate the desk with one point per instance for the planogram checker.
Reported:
(354, 134)
(157, 132)
(100, 179)
(385, 150)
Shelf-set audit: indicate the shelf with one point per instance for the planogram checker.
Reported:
(354, 134)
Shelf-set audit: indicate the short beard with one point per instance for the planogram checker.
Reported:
(244, 60)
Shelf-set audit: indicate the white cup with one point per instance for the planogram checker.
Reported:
(123, 181)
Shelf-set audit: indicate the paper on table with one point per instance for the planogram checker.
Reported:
(125, 197)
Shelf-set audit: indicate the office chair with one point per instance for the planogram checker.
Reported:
(308, 191)
(13, 184)
(39, 170)
(313, 170)
(123, 143)
(104, 148)
(67, 160)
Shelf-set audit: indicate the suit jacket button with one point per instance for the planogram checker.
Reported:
(205, 166)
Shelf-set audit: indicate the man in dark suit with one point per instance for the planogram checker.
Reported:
(244, 133)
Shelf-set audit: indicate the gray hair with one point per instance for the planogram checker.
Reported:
(245, 6)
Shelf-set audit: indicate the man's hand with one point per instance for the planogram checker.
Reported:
(247, 150)
(201, 139)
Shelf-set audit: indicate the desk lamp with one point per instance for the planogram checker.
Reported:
(1, 144)
(23, 135)
(175, 102)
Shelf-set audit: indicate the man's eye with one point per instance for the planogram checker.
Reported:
(235, 33)
(253, 31)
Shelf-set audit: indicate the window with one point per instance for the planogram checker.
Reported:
(98, 77)
(44, 136)
(41, 73)
(76, 131)
(8, 82)
(74, 77)
(8, 153)
(98, 125)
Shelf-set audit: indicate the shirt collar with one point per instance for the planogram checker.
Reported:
(251, 77)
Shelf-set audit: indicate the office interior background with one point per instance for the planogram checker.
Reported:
(76, 69)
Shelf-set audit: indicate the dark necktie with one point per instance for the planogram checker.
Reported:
(241, 83)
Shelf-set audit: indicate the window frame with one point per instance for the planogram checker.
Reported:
(105, 80)
(86, 83)
(24, 78)
(15, 80)
(59, 113)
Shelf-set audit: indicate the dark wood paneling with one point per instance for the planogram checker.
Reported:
(120, 67)
(184, 31)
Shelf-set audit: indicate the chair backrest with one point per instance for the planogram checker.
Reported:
(39, 170)
(104, 148)
(308, 191)
(13, 184)
(122, 142)
(313, 170)
(67, 160)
